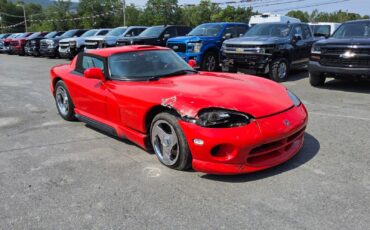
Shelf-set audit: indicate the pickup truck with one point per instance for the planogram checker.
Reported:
(204, 42)
(345, 55)
(50, 47)
(155, 35)
(269, 48)
(110, 39)
(70, 47)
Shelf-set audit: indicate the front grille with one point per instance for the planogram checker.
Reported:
(270, 151)
(239, 46)
(89, 44)
(43, 45)
(177, 47)
(64, 44)
(13, 43)
(350, 63)
(342, 50)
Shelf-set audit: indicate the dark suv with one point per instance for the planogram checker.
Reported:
(269, 48)
(155, 35)
(345, 54)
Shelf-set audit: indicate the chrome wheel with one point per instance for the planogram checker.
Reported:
(282, 70)
(165, 142)
(62, 100)
(211, 63)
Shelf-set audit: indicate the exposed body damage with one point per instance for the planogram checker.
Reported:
(229, 121)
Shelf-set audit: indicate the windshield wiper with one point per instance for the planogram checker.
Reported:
(179, 72)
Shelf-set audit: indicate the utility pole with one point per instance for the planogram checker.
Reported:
(24, 15)
(1, 24)
(124, 12)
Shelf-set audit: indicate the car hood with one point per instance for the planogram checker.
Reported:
(257, 40)
(100, 38)
(78, 39)
(188, 94)
(186, 39)
(139, 39)
(344, 41)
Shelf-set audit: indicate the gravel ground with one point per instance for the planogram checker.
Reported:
(63, 175)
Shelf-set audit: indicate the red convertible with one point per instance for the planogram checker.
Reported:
(217, 123)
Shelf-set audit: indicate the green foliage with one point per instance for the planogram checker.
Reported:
(63, 14)
(316, 16)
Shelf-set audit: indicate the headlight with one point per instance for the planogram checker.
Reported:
(261, 50)
(100, 44)
(316, 49)
(218, 118)
(72, 44)
(195, 46)
(50, 42)
(294, 98)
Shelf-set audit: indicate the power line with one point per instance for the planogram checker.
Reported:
(309, 6)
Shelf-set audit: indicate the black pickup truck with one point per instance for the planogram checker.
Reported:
(155, 35)
(269, 48)
(346, 54)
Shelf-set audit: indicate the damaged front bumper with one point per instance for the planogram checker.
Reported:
(253, 61)
(264, 143)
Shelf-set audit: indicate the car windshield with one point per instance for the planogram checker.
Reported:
(353, 30)
(24, 35)
(89, 33)
(206, 30)
(145, 65)
(116, 32)
(270, 30)
(320, 30)
(34, 35)
(68, 34)
(154, 31)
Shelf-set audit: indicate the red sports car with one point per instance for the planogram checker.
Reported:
(217, 123)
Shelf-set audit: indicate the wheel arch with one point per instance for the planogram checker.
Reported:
(154, 111)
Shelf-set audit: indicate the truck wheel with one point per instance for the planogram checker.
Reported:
(279, 70)
(317, 79)
(210, 62)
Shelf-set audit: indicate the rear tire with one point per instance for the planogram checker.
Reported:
(169, 142)
(317, 79)
(64, 102)
(279, 70)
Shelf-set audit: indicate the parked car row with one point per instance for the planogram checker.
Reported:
(271, 46)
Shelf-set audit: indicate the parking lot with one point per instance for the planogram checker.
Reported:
(56, 174)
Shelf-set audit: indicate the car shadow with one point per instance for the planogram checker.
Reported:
(310, 148)
(297, 74)
(353, 86)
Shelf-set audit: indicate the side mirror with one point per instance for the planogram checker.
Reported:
(94, 73)
(296, 38)
(227, 36)
(166, 36)
(192, 63)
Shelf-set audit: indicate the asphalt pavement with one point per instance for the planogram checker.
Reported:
(56, 174)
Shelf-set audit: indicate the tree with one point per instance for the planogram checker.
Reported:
(158, 12)
(303, 16)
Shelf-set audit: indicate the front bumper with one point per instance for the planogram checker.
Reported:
(315, 68)
(262, 144)
(17, 49)
(48, 52)
(66, 52)
(258, 62)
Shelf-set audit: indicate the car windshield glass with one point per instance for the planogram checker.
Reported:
(270, 30)
(68, 34)
(353, 30)
(89, 33)
(116, 32)
(154, 31)
(145, 65)
(206, 30)
(34, 35)
(22, 35)
(51, 34)
(320, 30)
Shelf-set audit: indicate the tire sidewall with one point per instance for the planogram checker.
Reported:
(205, 58)
(70, 116)
(274, 72)
(184, 159)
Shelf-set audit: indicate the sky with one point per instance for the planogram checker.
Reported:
(358, 6)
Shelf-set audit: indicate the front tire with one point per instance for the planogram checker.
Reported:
(169, 142)
(64, 102)
(317, 79)
(210, 62)
(279, 70)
